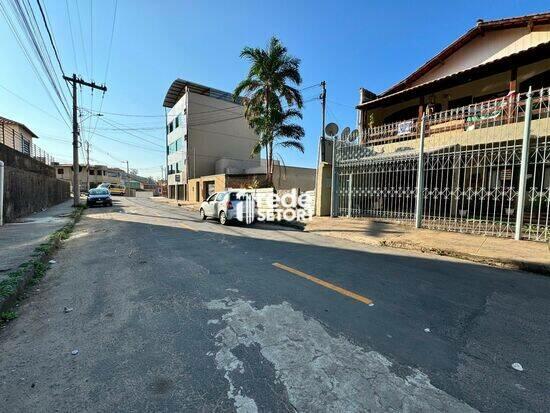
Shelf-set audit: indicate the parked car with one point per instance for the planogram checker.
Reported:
(99, 196)
(227, 206)
(114, 189)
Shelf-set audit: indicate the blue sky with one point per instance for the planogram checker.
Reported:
(349, 44)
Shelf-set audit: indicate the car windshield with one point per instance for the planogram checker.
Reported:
(99, 191)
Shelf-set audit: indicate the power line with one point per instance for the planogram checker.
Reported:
(106, 67)
(129, 144)
(132, 134)
(309, 87)
(111, 41)
(82, 38)
(18, 12)
(341, 104)
(51, 37)
(33, 105)
(71, 31)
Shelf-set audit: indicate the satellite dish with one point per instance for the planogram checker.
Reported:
(353, 135)
(331, 129)
(345, 133)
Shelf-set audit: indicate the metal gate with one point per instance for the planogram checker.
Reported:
(484, 169)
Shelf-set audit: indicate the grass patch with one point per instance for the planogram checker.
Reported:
(8, 316)
(39, 272)
(9, 285)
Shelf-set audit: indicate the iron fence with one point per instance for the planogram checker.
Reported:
(485, 169)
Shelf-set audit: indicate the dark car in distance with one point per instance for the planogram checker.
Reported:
(99, 196)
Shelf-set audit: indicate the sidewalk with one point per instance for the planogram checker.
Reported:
(504, 252)
(189, 205)
(25, 248)
(19, 239)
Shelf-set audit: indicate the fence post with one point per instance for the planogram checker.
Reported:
(522, 187)
(1, 193)
(333, 180)
(350, 186)
(420, 176)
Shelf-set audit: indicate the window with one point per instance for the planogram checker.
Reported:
(220, 196)
(92, 172)
(177, 122)
(26, 147)
(174, 146)
(60, 171)
(211, 198)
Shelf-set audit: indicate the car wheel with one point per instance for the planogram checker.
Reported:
(203, 215)
(223, 218)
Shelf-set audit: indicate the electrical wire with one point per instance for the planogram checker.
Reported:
(50, 37)
(72, 37)
(26, 53)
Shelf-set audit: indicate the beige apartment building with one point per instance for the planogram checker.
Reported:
(209, 145)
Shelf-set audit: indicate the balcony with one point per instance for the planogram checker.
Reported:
(461, 121)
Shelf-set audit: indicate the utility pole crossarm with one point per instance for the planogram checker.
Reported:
(82, 82)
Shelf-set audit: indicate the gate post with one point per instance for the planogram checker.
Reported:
(350, 186)
(420, 176)
(333, 180)
(522, 187)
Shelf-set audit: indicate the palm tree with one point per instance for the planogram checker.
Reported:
(266, 90)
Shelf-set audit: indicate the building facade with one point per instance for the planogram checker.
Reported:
(17, 136)
(204, 127)
(447, 145)
(92, 176)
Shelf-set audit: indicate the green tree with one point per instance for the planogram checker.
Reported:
(271, 99)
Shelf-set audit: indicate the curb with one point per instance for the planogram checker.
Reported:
(494, 262)
(36, 264)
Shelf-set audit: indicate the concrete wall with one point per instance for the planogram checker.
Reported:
(197, 187)
(294, 177)
(322, 194)
(29, 185)
(216, 130)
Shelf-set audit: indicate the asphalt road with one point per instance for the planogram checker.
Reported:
(170, 313)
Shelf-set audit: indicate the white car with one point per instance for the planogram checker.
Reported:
(229, 206)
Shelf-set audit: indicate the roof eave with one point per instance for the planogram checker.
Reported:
(527, 56)
(481, 26)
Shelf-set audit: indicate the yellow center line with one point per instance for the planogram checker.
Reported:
(325, 284)
(184, 226)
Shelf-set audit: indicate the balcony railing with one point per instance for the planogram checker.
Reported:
(40, 155)
(495, 112)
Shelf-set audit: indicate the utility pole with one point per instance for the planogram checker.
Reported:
(127, 168)
(324, 103)
(76, 167)
(88, 165)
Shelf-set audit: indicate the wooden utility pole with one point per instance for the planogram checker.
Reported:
(324, 104)
(88, 165)
(76, 167)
